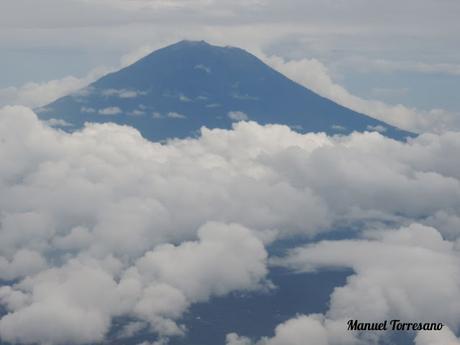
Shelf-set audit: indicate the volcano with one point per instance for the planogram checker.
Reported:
(174, 91)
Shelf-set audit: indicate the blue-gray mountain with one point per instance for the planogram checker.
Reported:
(176, 90)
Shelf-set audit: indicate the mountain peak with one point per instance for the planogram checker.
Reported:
(192, 43)
(193, 51)
(176, 90)
(197, 44)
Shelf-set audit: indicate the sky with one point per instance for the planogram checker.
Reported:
(403, 54)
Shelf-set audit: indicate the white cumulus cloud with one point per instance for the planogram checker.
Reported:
(103, 207)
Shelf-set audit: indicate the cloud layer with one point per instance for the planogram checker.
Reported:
(158, 227)
(410, 274)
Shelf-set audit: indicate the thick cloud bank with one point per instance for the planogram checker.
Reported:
(102, 223)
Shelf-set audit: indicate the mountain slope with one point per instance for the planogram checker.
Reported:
(175, 90)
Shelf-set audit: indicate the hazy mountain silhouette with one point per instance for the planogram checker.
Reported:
(177, 89)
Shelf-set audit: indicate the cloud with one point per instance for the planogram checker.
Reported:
(123, 93)
(443, 337)
(409, 274)
(314, 75)
(365, 64)
(175, 115)
(33, 94)
(378, 128)
(245, 97)
(60, 299)
(362, 177)
(296, 331)
(380, 92)
(182, 266)
(237, 116)
(184, 98)
(203, 68)
(102, 206)
(110, 111)
(23, 263)
(235, 339)
(170, 115)
(131, 329)
(137, 112)
(58, 123)
(155, 289)
(38, 94)
(87, 110)
(226, 258)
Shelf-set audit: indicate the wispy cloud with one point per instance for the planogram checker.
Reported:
(123, 93)
(238, 116)
(109, 111)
